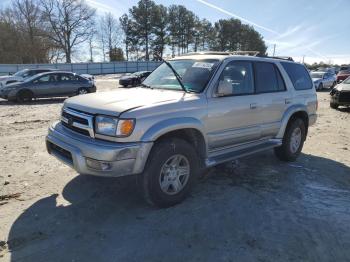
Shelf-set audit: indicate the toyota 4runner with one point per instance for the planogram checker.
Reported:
(192, 112)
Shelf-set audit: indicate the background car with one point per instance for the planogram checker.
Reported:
(134, 79)
(21, 75)
(340, 95)
(323, 79)
(51, 84)
(343, 74)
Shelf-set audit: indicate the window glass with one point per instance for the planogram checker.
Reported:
(298, 75)
(67, 77)
(281, 83)
(239, 75)
(266, 77)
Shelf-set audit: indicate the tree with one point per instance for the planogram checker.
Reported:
(110, 33)
(142, 16)
(116, 54)
(69, 23)
(159, 29)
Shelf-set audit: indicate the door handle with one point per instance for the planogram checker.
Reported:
(287, 101)
(253, 106)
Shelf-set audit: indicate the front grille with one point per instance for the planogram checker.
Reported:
(78, 130)
(77, 121)
(344, 97)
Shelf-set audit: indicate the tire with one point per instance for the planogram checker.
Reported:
(293, 141)
(125, 86)
(333, 105)
(161, 183)
(82, 91)
(320, 86)
(24, 96)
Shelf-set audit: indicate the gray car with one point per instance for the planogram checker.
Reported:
(52, 84)
(192, 112)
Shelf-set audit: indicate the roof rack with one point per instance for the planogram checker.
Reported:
(287, 58)
(244, 53)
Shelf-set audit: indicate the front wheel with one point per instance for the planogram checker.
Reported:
(333, 105)
(24, 96)
(170, 172)
(293, 141)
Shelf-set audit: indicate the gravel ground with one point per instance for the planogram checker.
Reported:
(258, 209)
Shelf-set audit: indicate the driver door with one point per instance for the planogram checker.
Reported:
(44, 86)
(234, 118)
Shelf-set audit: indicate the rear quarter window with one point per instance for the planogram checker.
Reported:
(298, 75)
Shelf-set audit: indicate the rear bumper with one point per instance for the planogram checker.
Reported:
(96, 157)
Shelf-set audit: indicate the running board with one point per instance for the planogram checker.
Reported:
(212, 161)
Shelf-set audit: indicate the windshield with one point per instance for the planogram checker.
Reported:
(195, 74)
(22, 73)
(347, 81)
(316, 75)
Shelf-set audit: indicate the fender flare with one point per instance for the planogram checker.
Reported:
(173, 124)
(287, 115)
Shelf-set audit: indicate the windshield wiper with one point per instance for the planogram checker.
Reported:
(178, 77)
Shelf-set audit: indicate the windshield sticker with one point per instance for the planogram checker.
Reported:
(203, 65)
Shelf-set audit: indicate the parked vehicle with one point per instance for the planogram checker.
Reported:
(192, 112)
(89, 77)
(343, 74)
(323, 79)
(22, 75)
(51, 84)
(340, 95)
(134, 79)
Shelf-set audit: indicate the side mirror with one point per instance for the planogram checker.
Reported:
(224, 88)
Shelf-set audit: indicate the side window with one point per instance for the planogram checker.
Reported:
(298, 75)
(268, 78)
(238, 75)
(67, 77)
(43, 79)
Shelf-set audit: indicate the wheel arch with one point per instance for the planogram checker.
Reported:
(290, 115)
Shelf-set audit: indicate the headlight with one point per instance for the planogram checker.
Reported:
(114, 127)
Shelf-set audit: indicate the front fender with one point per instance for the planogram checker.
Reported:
(166, 126)
(287, 115)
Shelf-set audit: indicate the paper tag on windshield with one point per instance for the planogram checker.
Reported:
(203, 65)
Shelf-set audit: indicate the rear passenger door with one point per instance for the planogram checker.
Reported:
(68, 84)
(272, 95)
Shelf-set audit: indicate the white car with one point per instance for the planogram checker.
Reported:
(21, 75)
(323, 79)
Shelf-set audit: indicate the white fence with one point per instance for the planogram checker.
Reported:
(87, 68)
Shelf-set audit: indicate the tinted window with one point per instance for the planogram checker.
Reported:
(268, 78)
(298, 75)
(240, 76)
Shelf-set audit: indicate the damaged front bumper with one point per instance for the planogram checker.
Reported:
(96, 157)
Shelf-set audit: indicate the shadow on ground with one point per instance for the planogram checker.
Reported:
(44, 101)
(258, 210)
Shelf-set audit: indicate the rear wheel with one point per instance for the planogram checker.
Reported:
(170, 172)
(293, 141)
(82, 91)
(24, 96)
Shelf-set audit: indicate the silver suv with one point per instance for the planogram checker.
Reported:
(192, 112)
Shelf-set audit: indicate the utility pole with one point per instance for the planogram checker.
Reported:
(274, 50)
(303, 58)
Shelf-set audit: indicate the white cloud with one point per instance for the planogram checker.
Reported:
(104, 8)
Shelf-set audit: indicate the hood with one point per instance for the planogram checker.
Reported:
(316, 79)
(116, 102)
(342, 87)
(128, 77)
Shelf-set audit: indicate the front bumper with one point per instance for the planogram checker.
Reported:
(340, 97)
(86, 155)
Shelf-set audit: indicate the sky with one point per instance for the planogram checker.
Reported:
(317, 30)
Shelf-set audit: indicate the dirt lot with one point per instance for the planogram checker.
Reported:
(258, 210)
